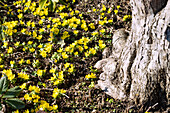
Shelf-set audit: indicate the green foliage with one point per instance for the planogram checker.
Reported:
(15, 103)
(8, 95)
(42, 3)
(2, 28)
(3, 84)
(111, 101)
(91, 85)
(12, 92)
(52, 4)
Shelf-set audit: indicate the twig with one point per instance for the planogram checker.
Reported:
(151, 107)
(65, 95)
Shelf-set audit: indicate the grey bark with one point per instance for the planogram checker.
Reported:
(138, 68)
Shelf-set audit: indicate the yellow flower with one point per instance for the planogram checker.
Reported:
(66, 65)
(72, 13)
(9, 74)
(23, 75)
(80, 48)
(1, 66)
(41, 30)
(27, 97)
(40, 46)
(80, 15)
(44, 85)
(76, 53)
(20, 15)
(17, 44)
(40, 72)
(109, 10)
(85, 47)
(37, 90)
(67, 48)
(62, 91)
(17, 111)
(28, 62)
(92, 25)
(118, 6)
(101, 22)
(65, 35)
(12, 62)
(102, 46)
(116, 12)
(94, 10)
(56, 82)
(75, 32)
(55, 92)
(48, 26)
(55, 107)
(29, 23)
(84, 26)
(40, 22)
(43, 53)
(35, 100)
(21, 61)
(92, 75)
(92, 51)
(102, 30)
(23, 86)
(2, 60)
(31, 88)
(21, 22)
(30, 42)
(61, 77)
(23, 30)
(76, 11)
(71, 69)
(110, 21)
(55, 61)
(64, 55)
(33, 24)
(103, 8)
(26, 111)
(48, 47)
(10, 50)
(52, 70)
(15, 30)
(60, 50)
(39, 37)
(5, 44)
(32, 49)
(86, 54)
(34, 34)
(95, 33)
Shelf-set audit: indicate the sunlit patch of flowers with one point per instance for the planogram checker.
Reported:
(43, 48)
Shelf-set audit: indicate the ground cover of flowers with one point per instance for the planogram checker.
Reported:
(50, 55)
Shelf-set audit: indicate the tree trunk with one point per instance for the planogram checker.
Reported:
(139, 67)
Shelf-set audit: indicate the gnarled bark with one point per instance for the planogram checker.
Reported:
(140, 70)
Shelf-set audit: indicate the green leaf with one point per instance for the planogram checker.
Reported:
(0, 106)
(42, 3)
(15, 103)
(62, 2)
(3, 83)
(12, 92)
(52, 5)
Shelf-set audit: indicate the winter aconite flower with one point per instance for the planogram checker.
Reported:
(92, 75)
